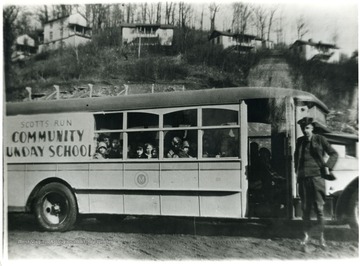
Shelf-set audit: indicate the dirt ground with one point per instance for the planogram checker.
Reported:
(165, 238)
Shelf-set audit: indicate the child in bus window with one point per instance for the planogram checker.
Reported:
(154, 153)
(140, 152)
(184, 152)
(101, 151)
(176, 144)
(115, 150)
(105, 139)
(148, 151)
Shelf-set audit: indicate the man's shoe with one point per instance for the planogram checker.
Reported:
(305, 240)
(322, 242)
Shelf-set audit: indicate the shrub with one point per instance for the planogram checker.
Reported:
(169, 70)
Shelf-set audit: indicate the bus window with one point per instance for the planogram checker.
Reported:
(108, 145)
(218, 117)
(108, 142)
(143, 145)
(221, 143)
(110, 121)
(184, 118)
(142, 120)
(217, 140)
(180, 144)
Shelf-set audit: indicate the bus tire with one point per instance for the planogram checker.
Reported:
(55, 207)
(354, 211)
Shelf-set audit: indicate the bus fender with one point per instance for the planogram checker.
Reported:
(30, 201)
(343, 207)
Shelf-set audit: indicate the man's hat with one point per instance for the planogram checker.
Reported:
(306, 121)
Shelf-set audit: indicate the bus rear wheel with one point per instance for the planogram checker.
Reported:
(354, 211)
(55, 207)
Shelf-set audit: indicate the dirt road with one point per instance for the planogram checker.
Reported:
(164, 238)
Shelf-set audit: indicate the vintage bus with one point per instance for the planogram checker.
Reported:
(190, 153)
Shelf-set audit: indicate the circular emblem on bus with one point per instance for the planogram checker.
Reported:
(141, 179)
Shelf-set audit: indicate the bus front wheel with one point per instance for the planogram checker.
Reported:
(55, 207)
(354, 211)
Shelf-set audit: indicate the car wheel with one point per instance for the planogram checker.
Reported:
(55, 207)
(354, 211)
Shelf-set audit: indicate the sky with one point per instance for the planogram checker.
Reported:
(323, 18)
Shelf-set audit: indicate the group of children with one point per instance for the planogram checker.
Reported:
(112, 149)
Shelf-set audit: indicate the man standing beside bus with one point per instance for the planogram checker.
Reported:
(309, 164)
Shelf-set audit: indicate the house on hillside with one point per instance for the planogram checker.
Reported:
(70, 30)
(24, 47)
(241, 42)
(310, 50)
(147, 34)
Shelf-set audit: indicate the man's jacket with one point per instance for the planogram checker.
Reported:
(318, 147)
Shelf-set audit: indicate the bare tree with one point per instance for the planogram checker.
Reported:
(99, 15)
(168, 10)
(144, 11)
(151, 13)
(272, 12)
(59, 11)
(261, 17)
(130, 12)
(241, 16)
(184, 14)
(173, 15)
(42, 14)
(335, 35)
(23, 23)
(213, 8)
(202, 18)
(280, 38)
(117, 15)
(158, 13)
(301, 27)
(10, 14)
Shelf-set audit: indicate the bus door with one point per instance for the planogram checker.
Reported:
(270, 146)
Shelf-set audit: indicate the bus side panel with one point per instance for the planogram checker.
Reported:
(142, 204)
(221, 205)
(106, 176)
(15, 187)
(35, 174)
(180, 205)
(106, 203)
(77, 175)
(175, 176)
(141, 175)
(220, 176)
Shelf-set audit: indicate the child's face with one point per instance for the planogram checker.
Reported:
(102, 150)
(115, 143)
(139, 151)
(149, 149)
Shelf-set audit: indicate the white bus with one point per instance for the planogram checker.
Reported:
(173, 154)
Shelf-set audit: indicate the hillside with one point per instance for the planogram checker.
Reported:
(112, 70)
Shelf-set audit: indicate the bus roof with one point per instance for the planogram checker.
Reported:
(159, 100)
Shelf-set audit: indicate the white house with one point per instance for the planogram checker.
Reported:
(70, 30)
(242, 42)
(24, 47)
(147, 34)
(310, 50)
